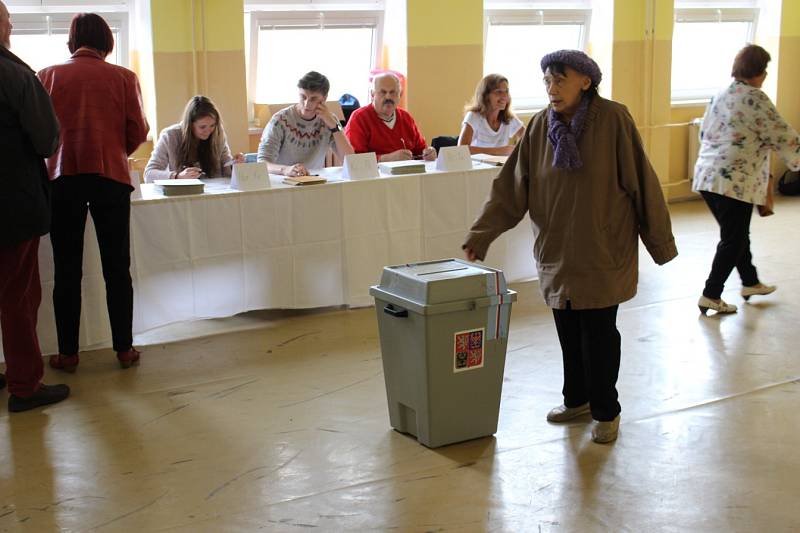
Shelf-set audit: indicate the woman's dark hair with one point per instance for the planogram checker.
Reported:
(480, 102)
(561, 68)
(315, 82)
(209, 152)
(91, 30)
(751, 61)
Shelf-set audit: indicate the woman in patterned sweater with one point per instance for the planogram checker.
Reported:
(740, 127)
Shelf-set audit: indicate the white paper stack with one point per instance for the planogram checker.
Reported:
(497, 160)
(402, 167)
(179, 187)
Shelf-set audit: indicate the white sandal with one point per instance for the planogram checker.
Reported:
(562, 413)
(757, 290)
(720, 306)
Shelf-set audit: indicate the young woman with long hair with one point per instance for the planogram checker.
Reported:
(195, 147)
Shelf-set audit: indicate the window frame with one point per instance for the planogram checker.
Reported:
(687, 14)
(63, 5)
(44, 17)
(308, 18)
(507, 15)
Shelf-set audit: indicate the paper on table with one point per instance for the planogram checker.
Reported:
(497, 160)
(178, 187)
(304, 180)
(179, 182)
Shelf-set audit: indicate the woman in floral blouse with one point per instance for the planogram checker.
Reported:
(740, 127)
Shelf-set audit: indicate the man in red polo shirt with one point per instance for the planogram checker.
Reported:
(385, 129)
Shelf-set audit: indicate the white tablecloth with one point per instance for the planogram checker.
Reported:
(226, 252)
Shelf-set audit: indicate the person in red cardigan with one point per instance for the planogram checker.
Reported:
(384, 128)
(99, 106)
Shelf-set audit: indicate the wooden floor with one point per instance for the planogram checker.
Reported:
(284, 427)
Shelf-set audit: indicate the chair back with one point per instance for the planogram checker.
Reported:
(442, 141)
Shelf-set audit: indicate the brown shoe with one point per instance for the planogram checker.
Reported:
(128, 358)
(65, 363)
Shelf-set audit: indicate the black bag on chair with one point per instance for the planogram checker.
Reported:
(349, 104)
(442, 141)
(789, 184)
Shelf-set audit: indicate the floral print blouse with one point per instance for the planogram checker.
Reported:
(740, 127)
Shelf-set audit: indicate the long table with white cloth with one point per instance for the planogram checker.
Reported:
(226, 252)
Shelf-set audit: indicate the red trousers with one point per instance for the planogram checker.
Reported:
(20, 295)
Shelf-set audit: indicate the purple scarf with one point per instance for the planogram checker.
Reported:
(564, 137)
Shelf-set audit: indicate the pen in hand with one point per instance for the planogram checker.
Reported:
(197, 171)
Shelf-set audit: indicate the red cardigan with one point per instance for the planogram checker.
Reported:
(99, 106)
(368, 133)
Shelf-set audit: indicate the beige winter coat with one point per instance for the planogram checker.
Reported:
(586, 222)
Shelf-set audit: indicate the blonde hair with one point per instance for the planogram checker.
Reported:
(480, 101)
(207, 153)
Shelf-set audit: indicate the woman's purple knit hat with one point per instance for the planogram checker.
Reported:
(577, 60)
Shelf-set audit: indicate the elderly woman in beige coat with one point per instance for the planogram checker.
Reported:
(581, 174)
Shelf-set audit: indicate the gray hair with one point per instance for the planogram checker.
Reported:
(387, 75)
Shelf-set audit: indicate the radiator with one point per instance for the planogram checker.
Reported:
(694, 146)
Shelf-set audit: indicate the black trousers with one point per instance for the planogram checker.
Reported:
(109, 202)
(590, 345)
(733, 250)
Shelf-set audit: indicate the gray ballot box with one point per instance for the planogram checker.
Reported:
(444, 329)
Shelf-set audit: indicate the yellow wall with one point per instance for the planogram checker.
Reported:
(628, 55)
(642, 44)
(445, 62)
(193, 55)
(788, 73)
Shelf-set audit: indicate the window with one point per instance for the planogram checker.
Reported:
(342, 45)
(40, 29)
(704, 44)
(542, 31)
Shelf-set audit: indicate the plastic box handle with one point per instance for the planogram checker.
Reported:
(395, 311)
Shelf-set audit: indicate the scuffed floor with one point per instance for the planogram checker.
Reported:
(285, 427)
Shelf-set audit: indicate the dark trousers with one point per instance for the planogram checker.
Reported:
(733, 250)
(590, 345)
(109, 202)
(20, 295)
